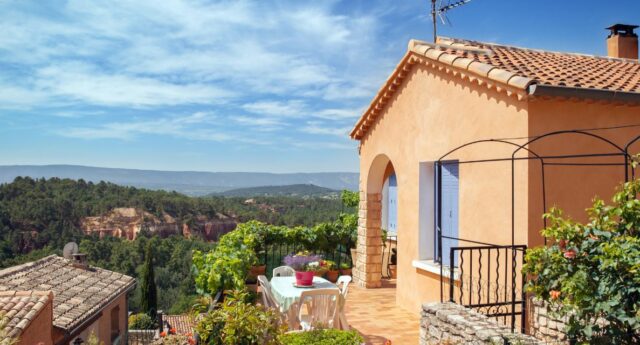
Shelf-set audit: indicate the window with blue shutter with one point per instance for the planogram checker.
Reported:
(448, 207)
(392, 204)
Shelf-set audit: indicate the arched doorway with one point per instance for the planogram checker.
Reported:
(389, 223)
(378, 216)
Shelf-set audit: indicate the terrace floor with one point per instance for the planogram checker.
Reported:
(374, 313)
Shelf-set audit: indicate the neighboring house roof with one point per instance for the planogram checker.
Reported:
(182, 323)
(79, 293)
(519, 72)
(20, 308)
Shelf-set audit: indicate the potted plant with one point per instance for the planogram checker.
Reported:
(319, 268)
(393, 263)
(345, 269)
(256, 270)
(305, 265)
(332, 271)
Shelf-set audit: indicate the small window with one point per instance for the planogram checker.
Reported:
(115, 324)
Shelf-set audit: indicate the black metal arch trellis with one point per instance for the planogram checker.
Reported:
(620, 152)
(545, 160)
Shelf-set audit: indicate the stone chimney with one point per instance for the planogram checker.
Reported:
(80, 261)
(622, 42)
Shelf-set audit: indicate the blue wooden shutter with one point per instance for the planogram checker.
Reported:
(392, 206)
(449, 185)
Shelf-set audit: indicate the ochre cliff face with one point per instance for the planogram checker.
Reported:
(128, 222)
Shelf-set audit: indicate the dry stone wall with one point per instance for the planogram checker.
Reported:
(545, 326)
(449, 323)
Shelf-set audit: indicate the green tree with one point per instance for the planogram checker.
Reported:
(590, 274)
(149, 301)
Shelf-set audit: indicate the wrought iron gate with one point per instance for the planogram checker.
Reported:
(488, 279)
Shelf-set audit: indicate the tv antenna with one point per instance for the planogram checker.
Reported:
(439, 10)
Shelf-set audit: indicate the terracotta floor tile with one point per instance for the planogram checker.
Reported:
(373, 313)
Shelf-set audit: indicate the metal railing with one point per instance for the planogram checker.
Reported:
(274, 254)
(488, 279)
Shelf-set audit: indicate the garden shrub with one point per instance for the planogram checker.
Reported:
(239, 322)
(142, 321)
(322, 337)
(590, 274)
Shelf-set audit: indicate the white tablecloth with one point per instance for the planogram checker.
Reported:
(286, 294)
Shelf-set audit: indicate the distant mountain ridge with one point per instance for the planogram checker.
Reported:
(294, 190)
(193, 183)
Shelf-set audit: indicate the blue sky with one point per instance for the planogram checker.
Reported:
(233, 85)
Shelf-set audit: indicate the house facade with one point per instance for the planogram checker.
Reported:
(64, 301)
(456, 130)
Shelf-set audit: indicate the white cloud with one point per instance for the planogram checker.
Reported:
(292, 108)
(186, 126)
(262, 124)
(84, 83)
(338, 114)
(322, 145)
(264, 67)
(316, 127)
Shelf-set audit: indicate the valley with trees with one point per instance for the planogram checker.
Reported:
(39, 216)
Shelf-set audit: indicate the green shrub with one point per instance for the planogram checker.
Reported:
(141, 321)
(322, 337)
(239, 322)
(591, 271)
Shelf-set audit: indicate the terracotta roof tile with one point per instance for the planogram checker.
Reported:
(514, 70)
(78, 293)
(553, 68)
(182, 323)
(20, 308)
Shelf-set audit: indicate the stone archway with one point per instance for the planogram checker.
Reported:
(368, 270)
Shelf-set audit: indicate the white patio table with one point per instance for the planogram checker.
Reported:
(287, 295)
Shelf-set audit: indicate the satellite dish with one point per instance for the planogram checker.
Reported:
(70, 249)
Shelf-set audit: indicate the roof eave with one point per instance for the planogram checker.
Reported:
(424, 52)
(540, 90)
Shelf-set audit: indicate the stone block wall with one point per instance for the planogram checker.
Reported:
(543, 325)
(368, 270)
(450, 323)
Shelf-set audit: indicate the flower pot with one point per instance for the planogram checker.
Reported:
(254, 272)
(258, 270)
(332, 276)
(304, 278)
(393, 270)
(345, 271)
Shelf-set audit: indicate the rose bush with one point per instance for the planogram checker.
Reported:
(590, 274)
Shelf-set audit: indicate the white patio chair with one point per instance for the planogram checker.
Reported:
(321, 306)
(345, 281)
(265, 288)
(344, 290)
(283, 271)
(269, 302)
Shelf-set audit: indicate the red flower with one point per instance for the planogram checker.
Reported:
(569, 254)
(163, 334)
(562, 244)
(555, 294)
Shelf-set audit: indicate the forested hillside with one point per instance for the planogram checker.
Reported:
(37, 213)
(38, 216)
(294, 190)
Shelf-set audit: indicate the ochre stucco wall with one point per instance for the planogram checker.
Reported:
(433, 112)
(102, 326)
(104, 323)
(430, 114)
(40, 330)
(573, 188)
